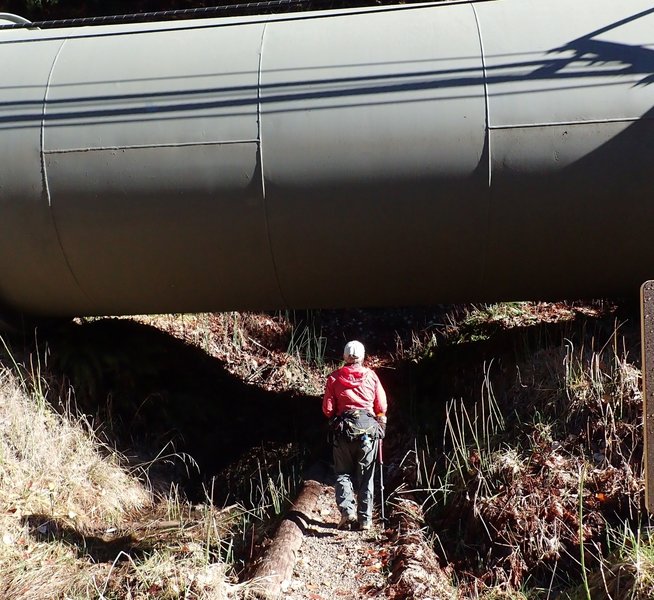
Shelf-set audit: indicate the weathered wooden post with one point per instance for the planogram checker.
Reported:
(647, 343)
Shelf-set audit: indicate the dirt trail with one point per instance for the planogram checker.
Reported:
(334, 564)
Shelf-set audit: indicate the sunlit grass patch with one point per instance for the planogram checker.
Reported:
(53, 464)
(76, 523)
(279, 351)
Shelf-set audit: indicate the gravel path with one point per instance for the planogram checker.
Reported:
(334, 564)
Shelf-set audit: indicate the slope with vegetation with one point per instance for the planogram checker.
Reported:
(152, 457)
(535, 482)
(77, 522)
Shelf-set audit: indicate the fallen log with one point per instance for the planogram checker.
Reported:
(416, 571)
(278, 563)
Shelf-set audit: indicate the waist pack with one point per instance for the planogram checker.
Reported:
(352, 425)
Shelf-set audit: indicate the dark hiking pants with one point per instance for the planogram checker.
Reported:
(354, 465)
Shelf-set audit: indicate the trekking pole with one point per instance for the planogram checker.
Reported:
(381, 481)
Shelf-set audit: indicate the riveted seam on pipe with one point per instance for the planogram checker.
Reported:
(261, 166)
(259, 127)
(149, 146)
(572, 122)
(486, 244)
(486, 98)
(44, 171)
(82, 31)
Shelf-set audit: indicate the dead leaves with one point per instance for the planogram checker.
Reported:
(377, 559)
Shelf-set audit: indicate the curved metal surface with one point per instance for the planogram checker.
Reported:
(362, 157)
(10, 18)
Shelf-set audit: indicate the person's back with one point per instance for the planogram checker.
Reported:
(354, 386)
(356, 403)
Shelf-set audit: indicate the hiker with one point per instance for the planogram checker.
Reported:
(355, 403)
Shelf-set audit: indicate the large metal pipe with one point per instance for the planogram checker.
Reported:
(365, 157)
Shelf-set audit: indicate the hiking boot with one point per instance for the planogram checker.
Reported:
(346, 521)
(365, 525)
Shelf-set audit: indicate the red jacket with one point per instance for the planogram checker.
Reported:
(353, 386)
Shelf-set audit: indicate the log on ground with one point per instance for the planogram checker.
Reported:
(278, 563)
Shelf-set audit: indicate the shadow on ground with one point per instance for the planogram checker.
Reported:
(98, 548)
(152, 395)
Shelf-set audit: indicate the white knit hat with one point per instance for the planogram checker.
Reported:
(353, 351)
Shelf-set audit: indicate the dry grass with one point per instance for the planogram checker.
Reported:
(76, 524)
(51, 468)
(474, 323)
(277, 352)
(527, 484)
(529, 488)
(52, 465)
(626, 574)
